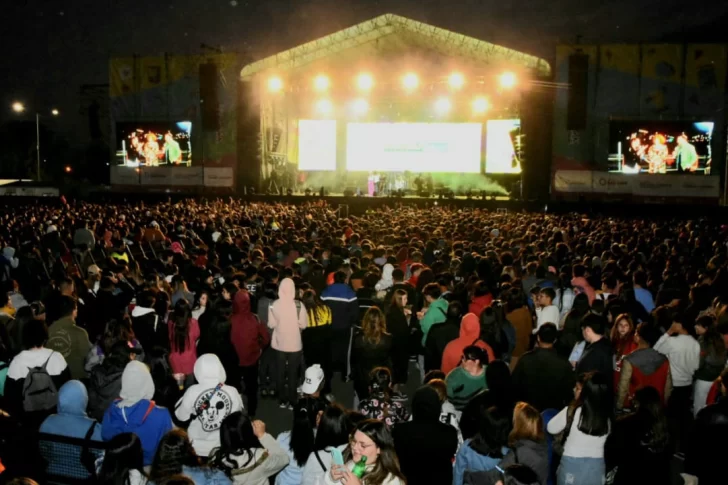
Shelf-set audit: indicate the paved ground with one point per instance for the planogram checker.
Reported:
(278, 420)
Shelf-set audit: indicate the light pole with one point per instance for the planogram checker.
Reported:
(19, 107)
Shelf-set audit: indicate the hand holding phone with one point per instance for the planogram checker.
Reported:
(336, 457)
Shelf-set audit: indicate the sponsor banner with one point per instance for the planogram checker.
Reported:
(29, 191)
(641, 185)
(573, 181)
(218, 177)
(172, 176)
(612, 183)
(121, 175)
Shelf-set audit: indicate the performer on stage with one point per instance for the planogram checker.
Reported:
(151, 149)
(657, 154)
(171, 149)
(372, 183)
(686, 157)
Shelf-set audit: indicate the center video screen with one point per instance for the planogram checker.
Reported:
(503, 145)
(414, 147)
(661, 147)
(154, 144)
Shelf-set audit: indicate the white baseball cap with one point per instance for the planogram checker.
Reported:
(313, 378)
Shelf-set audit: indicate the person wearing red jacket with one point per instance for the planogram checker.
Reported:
(482, 298)
(469, 335)
(249, 337)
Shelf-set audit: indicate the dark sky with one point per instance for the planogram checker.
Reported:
(52, 47)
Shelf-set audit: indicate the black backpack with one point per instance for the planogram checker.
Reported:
(39, 390)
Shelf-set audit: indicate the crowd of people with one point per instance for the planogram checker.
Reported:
(547, 349)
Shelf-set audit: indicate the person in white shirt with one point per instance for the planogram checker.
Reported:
(546, 311)
(586, 425)
(683, 352)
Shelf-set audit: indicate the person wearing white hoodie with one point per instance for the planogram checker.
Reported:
(8, 262)
(207, 404)
(385, 282)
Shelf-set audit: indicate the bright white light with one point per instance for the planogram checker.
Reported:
(324, 107)
(365, 82)
(443, 106)
(275, 84)
(55, 112)
(507, 80)
(411, 81)
(321, 83)
(481, 105)
(456, 80)
(18, 107)
(361, 106)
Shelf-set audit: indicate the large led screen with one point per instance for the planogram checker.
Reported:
(316, 145)
(661, 147)
(503, 146)
(414, 147)
(153, 144)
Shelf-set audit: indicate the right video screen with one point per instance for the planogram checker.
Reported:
(661, 147)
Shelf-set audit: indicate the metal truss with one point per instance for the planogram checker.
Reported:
(433, 38)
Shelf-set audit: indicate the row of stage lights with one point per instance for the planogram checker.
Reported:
(410, 82)
(480, 105)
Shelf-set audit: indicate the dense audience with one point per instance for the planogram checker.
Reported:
(136, 342)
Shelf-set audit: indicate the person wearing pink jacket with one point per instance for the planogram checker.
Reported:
(287, 318)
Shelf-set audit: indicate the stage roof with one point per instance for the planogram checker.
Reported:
(430, 37)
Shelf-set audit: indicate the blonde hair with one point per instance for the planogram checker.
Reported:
(527, 424)
(374, 325)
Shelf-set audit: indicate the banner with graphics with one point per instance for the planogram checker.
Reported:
(641, 185)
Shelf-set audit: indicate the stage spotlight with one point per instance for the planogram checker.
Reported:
(18, 107)
(480, 105)
(275, 84)
(321, 83)
(411, 81)
(324, 107)
(365, 82)
(456, 80)
(55, 112)
(361, 106)
(443, 106)
(507, 80)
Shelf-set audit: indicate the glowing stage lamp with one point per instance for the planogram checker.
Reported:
(321, 83)
(507, 80)
(365, 82)
(68, 169)
(456, 80)
(324, 107)
(55, 112)
(18, 107)
(480, 105)
(361, 106)
(411, 81)
(443, 106)
(275, 84)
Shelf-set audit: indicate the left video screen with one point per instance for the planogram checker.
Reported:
(154, 144)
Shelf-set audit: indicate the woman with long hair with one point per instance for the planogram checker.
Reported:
(176, 456)
(202, 299)
(332, 431)
(638, 450)
(299, 441)
(489, 446)
(317, 336)
(115, 331)
(571, 329)
(183, 334)
(712, 360)
(622, 338)
(383, 403)
(398, 326)
(123, 461)
(519, 316)
(248, 454)
(586, 430)
(370, 440)
(371, 348)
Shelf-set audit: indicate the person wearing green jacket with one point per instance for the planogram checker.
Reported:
(68, 339)
(436, 309)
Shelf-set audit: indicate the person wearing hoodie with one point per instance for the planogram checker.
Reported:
(8, 262)
(249, 337)
(469, 335)
(135, 412)
(442, 334)
(482, 298)
(287, 319)
(436, 309)
(644, 367)
(527, 445)
(105, 380)
(344, 317)
(386, 281)
(207, 404)
(148, 327)
(70, 421)
(467, 380)
(425, 440)
(66, 338)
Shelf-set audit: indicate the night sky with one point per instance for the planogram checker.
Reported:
(52, 47)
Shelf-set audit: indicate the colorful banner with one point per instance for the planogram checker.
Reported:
(641, 185)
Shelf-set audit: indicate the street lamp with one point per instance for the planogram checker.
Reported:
(19, 108)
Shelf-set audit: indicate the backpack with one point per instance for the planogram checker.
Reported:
(39, 391)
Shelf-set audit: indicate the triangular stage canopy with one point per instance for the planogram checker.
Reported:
(400, 31)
